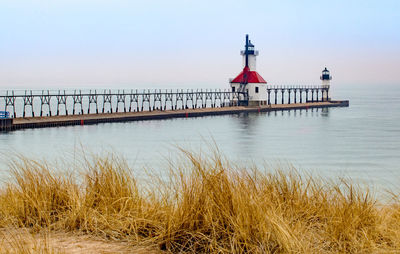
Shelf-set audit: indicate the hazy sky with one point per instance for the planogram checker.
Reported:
(169, 43)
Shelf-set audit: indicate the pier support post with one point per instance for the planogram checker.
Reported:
(204, 99)
(61, 100)
(9, 101)
(41, 106)
(301, 95)
(28, 101)
(269, 97)
(107, 99)
(77, 101)
(93, 99)
(157, 98)
(45, 99)
(121, 98)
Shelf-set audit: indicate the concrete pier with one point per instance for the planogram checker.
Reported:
(6, 124)
(64, 120)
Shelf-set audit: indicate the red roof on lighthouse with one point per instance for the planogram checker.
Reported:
(247, 76)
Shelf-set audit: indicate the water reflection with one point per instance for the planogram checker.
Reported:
(325, 112)
(247, 126)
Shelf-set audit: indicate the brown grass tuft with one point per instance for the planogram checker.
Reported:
(207, 206)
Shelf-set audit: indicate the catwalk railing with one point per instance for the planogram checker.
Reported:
(32, 103)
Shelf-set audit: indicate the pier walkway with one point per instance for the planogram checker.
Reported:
(65, 120)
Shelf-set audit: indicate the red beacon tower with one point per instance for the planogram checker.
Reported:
(249, 82)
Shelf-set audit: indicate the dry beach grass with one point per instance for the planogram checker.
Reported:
(205, 205)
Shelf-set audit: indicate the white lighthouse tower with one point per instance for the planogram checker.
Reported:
(326, 83)
(249, 81)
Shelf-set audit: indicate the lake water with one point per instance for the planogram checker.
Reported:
(361, 142)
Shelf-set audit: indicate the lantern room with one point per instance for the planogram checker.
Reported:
(326, 75)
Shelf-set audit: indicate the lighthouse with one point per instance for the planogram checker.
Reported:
(326, 82)
(249, 83)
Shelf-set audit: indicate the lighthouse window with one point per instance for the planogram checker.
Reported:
(256, 89)
(233, 89)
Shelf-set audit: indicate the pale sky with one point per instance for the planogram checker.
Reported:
(195, 44)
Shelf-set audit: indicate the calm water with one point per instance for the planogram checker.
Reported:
(361, 142)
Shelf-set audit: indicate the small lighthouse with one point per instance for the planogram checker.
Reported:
(249, 81)
(326, 83)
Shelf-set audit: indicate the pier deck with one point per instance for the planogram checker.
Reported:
(53, 121)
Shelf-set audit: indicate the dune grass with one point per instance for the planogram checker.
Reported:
(21, 241)
(205, 205)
